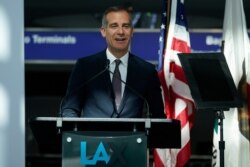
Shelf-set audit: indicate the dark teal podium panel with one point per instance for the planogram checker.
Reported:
(104, 149)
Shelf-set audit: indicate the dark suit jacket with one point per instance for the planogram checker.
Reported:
(94, 97)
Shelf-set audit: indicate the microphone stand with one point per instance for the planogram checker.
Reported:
(59, 121)
(148, 114)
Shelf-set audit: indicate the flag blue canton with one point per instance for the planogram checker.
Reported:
(162, 38)
(180, 15)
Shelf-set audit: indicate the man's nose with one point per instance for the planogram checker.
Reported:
(120, 30)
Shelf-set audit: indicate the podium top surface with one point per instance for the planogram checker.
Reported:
(162, 133)
(67, 119)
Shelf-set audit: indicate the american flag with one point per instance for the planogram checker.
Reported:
(177, 97)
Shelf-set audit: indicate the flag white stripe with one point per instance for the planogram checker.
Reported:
(169, 40)
(179, 87)
(185, 135)
(182, 34)
(180, 105)
(174, 57)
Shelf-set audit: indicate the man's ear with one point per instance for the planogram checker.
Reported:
(103, 32)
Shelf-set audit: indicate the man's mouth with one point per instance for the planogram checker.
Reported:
(120, 39)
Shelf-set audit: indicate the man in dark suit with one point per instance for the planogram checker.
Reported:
(90, 92)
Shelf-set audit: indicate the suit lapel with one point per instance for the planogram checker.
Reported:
(105, 79)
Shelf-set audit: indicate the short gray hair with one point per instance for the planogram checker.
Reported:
(114, 9)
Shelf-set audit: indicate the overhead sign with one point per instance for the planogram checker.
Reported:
(70, 45)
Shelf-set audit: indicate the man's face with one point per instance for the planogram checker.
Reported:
(118, 32)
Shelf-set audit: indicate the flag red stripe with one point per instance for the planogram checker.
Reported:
(183, 117)
(184, 155)
(180, 46)
(188, 101)
(178, 71)
(157, 160)
(191, 116)
(165, 93)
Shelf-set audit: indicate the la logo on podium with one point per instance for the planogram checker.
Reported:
(106, 156)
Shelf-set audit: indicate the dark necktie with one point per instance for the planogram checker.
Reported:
(116, 82)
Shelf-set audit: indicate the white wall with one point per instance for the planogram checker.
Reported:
(12, 143)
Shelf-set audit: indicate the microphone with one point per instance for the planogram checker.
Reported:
(148, 114)
(95, 76)
(85, 83)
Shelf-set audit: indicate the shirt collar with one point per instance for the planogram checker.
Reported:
(112, 58)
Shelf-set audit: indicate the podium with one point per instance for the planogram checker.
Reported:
(104, 141)
(212, 86)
